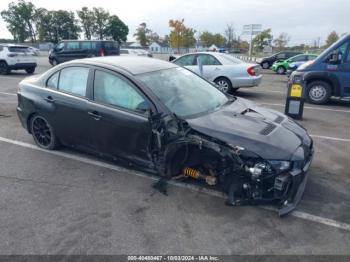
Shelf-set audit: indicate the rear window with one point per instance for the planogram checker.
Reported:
(110, 45)
(18, 49)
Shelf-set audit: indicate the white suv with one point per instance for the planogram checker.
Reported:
(16, 57)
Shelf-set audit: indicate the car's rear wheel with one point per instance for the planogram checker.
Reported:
(319, 92)
(265, 65)
(30, 70)
(281, 70)
(43, 133)
(4, 68)
(224, 84)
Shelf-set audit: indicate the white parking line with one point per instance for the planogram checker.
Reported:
(298, 214)
(310, 107)
(8, 94)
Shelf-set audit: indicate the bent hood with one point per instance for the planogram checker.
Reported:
(265, 132)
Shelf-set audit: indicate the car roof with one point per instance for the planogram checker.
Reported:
(134, 65)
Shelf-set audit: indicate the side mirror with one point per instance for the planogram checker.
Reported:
(143, 107)
(335, 58)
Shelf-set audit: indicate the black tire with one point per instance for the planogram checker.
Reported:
(265, 65)
(30, 70)
(224, 84)
(43, 133)
(4, 68)
(281, 70)
(54, 62)
(318, 92)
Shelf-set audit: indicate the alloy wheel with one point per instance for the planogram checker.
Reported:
(3, 68)
(223, 85)
(41, 131)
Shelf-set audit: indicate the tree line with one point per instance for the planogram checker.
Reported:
(25, 21)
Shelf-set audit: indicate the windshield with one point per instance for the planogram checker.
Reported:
(183, 92)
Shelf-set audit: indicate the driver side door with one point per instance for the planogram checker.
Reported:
(119, 124)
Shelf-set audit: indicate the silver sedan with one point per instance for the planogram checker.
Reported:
(228, 72)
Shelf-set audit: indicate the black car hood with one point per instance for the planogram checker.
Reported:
(265, 132)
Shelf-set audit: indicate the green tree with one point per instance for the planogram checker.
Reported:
(20, 19)
(332, 38)
(87, 20)
(282, 41)
(116, 29)
(263, 39)
(209, 39)
(101, 21)
(64, 25)
(141, 34)
(43, 21)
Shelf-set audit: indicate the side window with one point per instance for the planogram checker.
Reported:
(86, 45)
(348, 56)
(342, 51)
(300, 58)
(74, 80)
(311, 57)
(185, 60)
(1, 48)
(73, 45)
(208, 60)
(113, 90)
(52, 82)
(281, 56)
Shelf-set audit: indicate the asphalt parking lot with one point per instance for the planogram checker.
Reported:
(66, 202)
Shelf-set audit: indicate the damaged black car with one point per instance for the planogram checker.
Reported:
(166, 119)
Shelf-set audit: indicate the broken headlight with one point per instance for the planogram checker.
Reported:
(268, 167)
(280, 166)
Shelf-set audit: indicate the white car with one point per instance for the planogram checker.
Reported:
(228, 72)
(135, 52)
(16, 57)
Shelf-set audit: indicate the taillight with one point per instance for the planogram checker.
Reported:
(11, 55)
(251, 71)
(101, 52)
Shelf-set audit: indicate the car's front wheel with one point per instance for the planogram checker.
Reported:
(224, 84)
(281, 70)
(265, 65)
(54, 62)
(30, 70)
(43, 133)
(3, 68)
(319, 92)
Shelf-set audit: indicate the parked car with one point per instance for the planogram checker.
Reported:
(328, 75)
(281, 67)
(228, 72)
(267, 62)
(68, 50)
(135, 52)
(166, 119)
(34, 51)
(16, 57)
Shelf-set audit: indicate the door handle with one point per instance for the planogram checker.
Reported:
(49, 99)
(95, 115)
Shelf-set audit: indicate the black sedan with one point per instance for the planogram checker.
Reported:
(166, 119)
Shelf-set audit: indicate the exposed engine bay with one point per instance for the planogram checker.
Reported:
(181, 153)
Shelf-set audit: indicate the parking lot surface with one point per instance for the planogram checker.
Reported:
(67, 202)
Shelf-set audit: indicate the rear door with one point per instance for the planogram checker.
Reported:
(66, 98)
(119, 124)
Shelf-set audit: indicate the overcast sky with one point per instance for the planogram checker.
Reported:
(303, 20)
